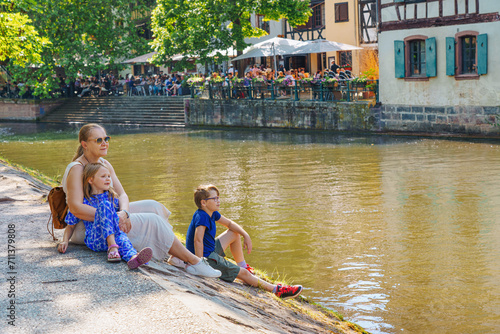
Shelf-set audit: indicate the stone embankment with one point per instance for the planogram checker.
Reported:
(79, 292)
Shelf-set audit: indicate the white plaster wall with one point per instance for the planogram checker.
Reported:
(275, 29)
(448, 7)
(421, 10)
(433, 9)
(472, 6)
(489, 6)
(389, 14)
(441, 90)
(461, 6)
(410, 12)
(386, 1)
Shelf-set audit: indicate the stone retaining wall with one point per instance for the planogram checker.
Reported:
(280, 114)
(345, 116)
(470, 120)
(26, 110)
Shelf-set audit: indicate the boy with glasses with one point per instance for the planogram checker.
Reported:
(201, 241)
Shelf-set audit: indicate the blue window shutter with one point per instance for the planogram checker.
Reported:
(430, 57)
(399, 0)
(399, 58)
(450, 56)
(482, 54)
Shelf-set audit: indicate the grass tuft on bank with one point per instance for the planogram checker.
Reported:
(30, 171)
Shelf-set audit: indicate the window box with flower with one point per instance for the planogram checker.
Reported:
(259, 82)
(239, 82)
(359, 82)
(307, 82)
(283, 82)
(330, 82)
(196, 81)
(216, 81)
(346, 67)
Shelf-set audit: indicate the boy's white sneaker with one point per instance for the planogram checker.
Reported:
(176, 262)
(202, 268)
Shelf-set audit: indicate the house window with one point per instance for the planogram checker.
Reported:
(345, 59)
(144, 30)
(260, 23)
(467, 55)
(417, 58)
(319, 16)
(341, 12)
(468, 46)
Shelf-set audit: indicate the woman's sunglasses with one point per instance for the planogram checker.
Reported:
(100, 140)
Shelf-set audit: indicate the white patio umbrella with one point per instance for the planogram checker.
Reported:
(140, 59)
(281, 46)
(322, 45)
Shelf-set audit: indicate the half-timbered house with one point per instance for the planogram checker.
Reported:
(352, 22)
(440, 65)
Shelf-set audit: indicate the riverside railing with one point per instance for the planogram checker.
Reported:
(338, 91)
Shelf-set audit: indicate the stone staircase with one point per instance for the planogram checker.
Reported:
(122, 110)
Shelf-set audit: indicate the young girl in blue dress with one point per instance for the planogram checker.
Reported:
(104, 233)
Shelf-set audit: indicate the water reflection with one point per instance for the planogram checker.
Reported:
(398, 234)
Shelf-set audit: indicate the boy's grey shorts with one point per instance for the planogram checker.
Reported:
(217, 260)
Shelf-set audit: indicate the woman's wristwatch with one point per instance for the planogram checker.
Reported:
(128, 213)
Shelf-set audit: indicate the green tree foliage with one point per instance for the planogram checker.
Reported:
(85, 35)
(200, 27)
(19, 40)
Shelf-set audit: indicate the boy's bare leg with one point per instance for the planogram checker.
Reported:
(178, 250)
(233, 240)
(252, 280)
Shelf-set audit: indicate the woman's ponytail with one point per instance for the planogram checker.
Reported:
(79, 152)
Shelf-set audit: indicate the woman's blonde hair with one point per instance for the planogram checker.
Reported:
(89, 172)
(84, 135)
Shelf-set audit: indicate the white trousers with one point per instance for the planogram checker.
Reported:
(150, 228)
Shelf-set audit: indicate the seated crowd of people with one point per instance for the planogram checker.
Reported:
(12, 89)
(158, 84)
(175, 84)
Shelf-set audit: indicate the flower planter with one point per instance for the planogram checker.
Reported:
(359, 84)
(330, 84)
(259, 84)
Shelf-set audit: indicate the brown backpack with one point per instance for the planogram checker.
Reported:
(58, 209)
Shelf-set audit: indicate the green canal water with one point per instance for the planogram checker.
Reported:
(400, 235)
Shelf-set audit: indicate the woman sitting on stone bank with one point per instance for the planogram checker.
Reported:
(145, 222)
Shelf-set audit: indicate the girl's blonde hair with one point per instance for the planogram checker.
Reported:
(89, 172)
(84, 135)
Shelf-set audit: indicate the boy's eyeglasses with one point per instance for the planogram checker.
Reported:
(216, 198)
(100, 140)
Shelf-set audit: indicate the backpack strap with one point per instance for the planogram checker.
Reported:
(51, 233)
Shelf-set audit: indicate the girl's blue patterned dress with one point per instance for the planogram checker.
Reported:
(105, 223)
